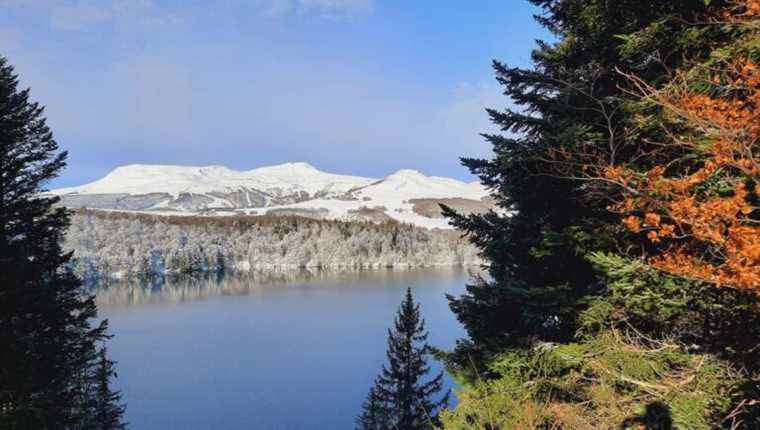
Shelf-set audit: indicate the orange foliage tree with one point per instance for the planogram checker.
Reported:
(703, 215)
(692, 193)
(699, 210)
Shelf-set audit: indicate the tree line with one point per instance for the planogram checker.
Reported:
(108, 244)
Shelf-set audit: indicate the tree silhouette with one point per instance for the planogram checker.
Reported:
(46, 337)
(401, 399)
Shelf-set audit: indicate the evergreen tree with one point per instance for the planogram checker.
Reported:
(108, 410)
(45, 331)
(571, 308)
(400, 390)
(375, 412)
(539, 275)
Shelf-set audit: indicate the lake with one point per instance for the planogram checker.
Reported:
(283, 351)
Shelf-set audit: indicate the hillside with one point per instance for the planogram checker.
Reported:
(122, 245)
(287, 189)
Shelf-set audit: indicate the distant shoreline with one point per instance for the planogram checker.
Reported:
(121, 245)
(175, 289)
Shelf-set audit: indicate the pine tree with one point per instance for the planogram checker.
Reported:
(400, 386)
(541, 323)
(45, 331)
(375, 412)
(576, 94)
(108, 410)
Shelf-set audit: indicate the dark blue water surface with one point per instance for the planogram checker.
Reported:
(294, 351)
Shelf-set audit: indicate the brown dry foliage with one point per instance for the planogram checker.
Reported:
(702, 217)
(696, 208)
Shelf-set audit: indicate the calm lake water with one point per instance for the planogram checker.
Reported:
(292, 351)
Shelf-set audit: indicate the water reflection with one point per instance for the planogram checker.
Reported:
(176, 289)
(290, 350)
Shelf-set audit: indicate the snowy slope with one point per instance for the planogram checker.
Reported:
(286, 189)
(175, 180)
(411, 184)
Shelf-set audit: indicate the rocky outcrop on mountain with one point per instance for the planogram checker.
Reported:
(113, 244)
(431, 208)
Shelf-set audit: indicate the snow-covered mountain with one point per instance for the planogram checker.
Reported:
(286, 189)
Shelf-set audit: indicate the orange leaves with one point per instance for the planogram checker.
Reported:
(655, 230)
(688, 192)
(707, 202)
(722, 246)
(752, 8)
(613, 173)
(655, 173)
(653, 237)
(652, 219)
(633, 223)
(667, 230)
(743, 11)
(736, 271)
(730, 123)
(718, 229)
(733, 123)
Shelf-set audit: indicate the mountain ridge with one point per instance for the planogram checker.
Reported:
(295, 188)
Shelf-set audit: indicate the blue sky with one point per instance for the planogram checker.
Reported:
(364, 87)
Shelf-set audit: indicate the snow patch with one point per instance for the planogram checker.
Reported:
(340, 195)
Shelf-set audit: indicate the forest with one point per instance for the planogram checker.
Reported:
(122, 245)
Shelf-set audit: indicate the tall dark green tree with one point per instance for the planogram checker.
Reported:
(539, 276)
(376, 412)
(108, 411)
(400, 391)
(46, 337)
(564, 278)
